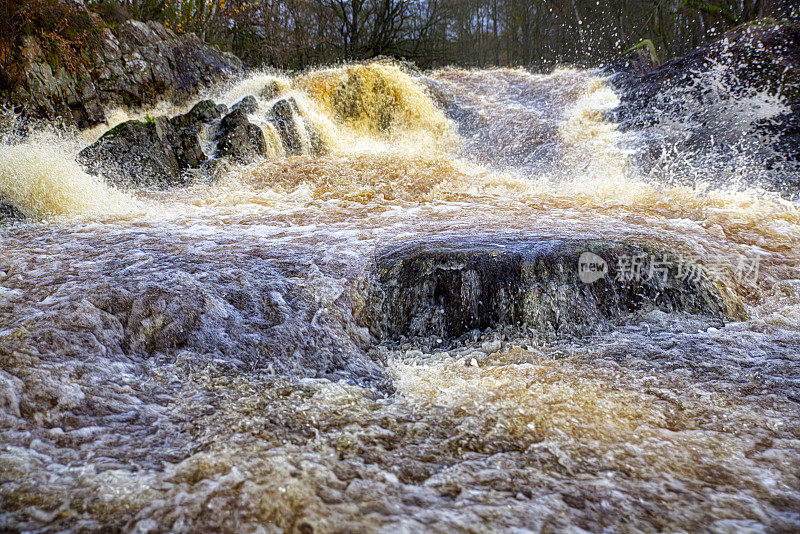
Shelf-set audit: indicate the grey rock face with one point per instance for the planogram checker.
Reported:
(238, 139)
(248, 104)
(449, 287)
(282, 115)
(135, 65)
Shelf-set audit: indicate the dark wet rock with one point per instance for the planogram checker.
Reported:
(447, 288)
(238, 139)
(760, 55)
(290, 125)
(8, 211)
(248, 104)
(633, 64)
(144, 154)
(283, 116)
(271, 90)
(205, 111)
(155, 153)
(697, 105)
(135, 65)
(166, 152)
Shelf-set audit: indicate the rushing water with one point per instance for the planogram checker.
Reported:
(192, 359)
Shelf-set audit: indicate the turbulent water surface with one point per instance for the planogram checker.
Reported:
(197, 360)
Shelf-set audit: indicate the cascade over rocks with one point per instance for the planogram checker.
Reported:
(448, 287)
(699, 91)
(162, 152)
(135, 65)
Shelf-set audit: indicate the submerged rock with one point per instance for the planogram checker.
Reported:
(546, 287)
(239, 139)
(365, 97)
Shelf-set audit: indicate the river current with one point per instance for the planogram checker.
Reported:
(194, 360)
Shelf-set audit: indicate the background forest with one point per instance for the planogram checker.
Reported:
(296, 33)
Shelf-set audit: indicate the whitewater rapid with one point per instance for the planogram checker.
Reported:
(192, 359)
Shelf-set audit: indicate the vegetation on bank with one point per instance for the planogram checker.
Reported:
(297, 33)
(63, 30)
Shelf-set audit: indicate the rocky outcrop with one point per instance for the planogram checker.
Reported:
(711, 105)
(633, 64)
(248, 105)
(135, 65)
(293, 129)
(546, 287)
(238, 139)
(155, 153)
(763, 56)
(282, 116)
(160, 152)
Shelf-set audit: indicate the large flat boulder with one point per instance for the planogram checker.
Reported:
(546, 287)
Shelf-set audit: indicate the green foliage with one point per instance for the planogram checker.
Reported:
(648, 44)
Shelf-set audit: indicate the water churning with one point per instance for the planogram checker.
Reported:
(208, 358)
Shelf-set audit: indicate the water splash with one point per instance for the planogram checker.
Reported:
(44, 181)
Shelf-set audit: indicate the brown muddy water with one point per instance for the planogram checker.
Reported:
(196, 360)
